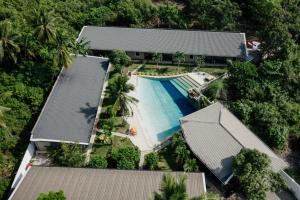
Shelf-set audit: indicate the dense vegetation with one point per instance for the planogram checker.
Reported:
(37, 36)
(52, 196)
(175, 188)
(253, 171)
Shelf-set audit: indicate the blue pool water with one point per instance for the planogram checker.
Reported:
(161, 104)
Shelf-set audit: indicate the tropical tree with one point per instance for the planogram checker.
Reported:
(8, 47)
(252, 169)
(81, 47)
(71, 155)
(157, 57)
(200, 61)
(44, 24)
(3, 109)
(118, 91)
(180, 57)
(190, 165)
(182, 154)
(52, 196)
(62, 53)
(97, 161)
(172, 188)
(151, 161)
(126, 157)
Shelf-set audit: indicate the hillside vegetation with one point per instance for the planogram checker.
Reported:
(36, 37)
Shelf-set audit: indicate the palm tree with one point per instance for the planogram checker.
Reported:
(44, 25)
(182, 154)
(172, 188)
(8, 47)
(180, 57)
(190, 165)
(62, 55)
(3, 109)
(157, 57)
(118, 91)
(81, 47)
(26, 52)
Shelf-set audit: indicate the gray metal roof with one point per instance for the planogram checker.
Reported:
(226, 44)
(215, 136)
(99, 184)
(70, 110)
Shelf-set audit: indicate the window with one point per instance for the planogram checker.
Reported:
(137, 54)
(191, 57)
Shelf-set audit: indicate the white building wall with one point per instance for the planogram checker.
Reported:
(24, 164)
(292, 184)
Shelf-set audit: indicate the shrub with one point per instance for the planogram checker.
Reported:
(119, 57)
(98, 161)
(126, 158)
(214, 90)
(151, 161)
(71, 155)
(52, 196)
(253, 172)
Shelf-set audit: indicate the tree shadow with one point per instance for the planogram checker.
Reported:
(89, 112)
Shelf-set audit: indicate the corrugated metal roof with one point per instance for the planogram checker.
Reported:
(215, 136)
(190, 42)
(70, 110)
(99, 184)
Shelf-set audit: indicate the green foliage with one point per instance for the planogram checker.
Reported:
(169, 16)
(97, 161)
(52, 196)
(126, 158)
(71, 155)
(119, 57)
(190, 165)
(214, 90)
(172, 188)
(214, 14)
(253, 172)
(151, 161)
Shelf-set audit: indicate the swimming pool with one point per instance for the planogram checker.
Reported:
(161, 103)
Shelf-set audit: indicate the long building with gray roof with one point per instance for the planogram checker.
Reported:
(70, 110)
(215, 136)
(99, 184)
(141, 43)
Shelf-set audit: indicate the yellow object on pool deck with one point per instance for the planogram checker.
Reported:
(133, 131)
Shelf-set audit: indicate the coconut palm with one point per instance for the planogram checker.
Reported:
(190, 165)
(172, 188)
(157, 57)
(44, 25)
(8, 47)
(62, 56)
(118, 91)
(182, 154)
(81, 46)
(3, 109)
(179, 57)
(25, 49)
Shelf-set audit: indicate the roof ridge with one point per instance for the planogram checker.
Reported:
(224, 108)
(166, 29)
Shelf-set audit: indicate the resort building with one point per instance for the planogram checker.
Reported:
(99, 184)
(141, 44)
(215, 136)
(69, 113)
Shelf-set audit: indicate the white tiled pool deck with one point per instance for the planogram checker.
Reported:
(142, 140)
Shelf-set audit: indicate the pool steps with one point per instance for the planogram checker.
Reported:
(184, 83)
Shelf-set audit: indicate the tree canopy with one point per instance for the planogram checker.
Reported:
(253, 172)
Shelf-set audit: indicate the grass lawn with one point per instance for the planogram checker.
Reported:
(294, 173)
(167, 70)
(117, 142)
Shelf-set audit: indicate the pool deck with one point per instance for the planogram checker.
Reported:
(141, 140)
